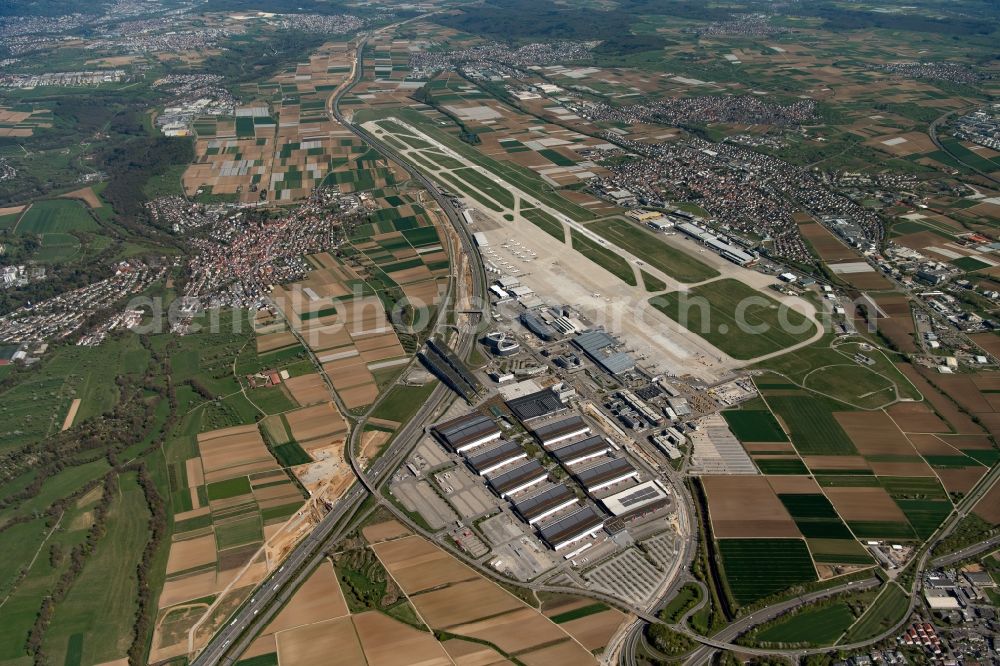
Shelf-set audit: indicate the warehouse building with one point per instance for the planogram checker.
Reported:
(495, 457)
(637, 500)
(606, 474)
(583, 523)
(578, 452)
(545, 503)
(552, 433)
(520, 478)
(536, 405)
(599, 346)
(467, 432)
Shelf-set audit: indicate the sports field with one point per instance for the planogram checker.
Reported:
(758, 568)
(647, 246)
(736, 318)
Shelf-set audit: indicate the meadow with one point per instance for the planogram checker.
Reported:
(646, 246)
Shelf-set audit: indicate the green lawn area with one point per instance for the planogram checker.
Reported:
(402, 402)
(969, 263)
(603, 257)
(888, 609)
(758, 568)
(812, 626)
(854, 384)
(739, 320)
(687, 597)
(810, 421)
(652, 283)
(754, 425)
(545, 222)
(101, 604)
(486, 185)
(56, 215)
(647, 246)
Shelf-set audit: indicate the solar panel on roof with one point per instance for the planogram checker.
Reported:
(641, 496)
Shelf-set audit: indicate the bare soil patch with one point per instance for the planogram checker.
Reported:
(960, 479)
(988, 507)
(191, 553)
(514, 632)
(865, 504)
(463, 602)
(917, 417)
(389, 642)
(563, 654)
(419, 565)
(594, 631)
(320, 598)
(86, 195)
(307, 389)
(746, 506)
(874, 433)
(390, 529)
(793, 485)
(331, 643)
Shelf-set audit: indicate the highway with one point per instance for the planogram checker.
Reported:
(267, 600)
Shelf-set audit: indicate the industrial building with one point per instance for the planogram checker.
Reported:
(495, 457)
(502, 344)
(440, 360)
(520, 478)
(606, 474)
(633, 401)
(536, 405)
(598, 345)
(578, 452)
(552, 433)
(545, 503)
(637, 500)
(538, 326)
(582, 523)
(725, 250)
(467, 432)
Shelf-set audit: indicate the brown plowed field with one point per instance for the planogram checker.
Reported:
(569, 653)
(864, 504)
(320, 338)
(874, 433)
(320, 598)
(964, 391)
(959, 421)
(988, 508)
(231, 449)
(968, 441)
(331, 643)
(745, 506)
(463, 602)
(835, 462)
(917, 417)
(929, 445)
(307, 389)
(594, 631)
(359, 396)
(793, 485)
(914, 468)
(389, 642)
(418, 565)
(390, 529)
(960, 479)
(272, 341)
(190, 553)
(316, 421)
(86, 195)
(826, 244)
(513, 632)
(467, 653)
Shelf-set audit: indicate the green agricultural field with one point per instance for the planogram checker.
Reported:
(239, 532)
(781, 466)
(810, 626)
(810, 421)
(577, 613)
(603, 257)
(56, 216)
(888, 609)
(758, 568)
(838, 551)
(881, 529)
(647, 246)
(754, 425)
(815, 516)
(852, 384)
(969, 264)
(291, 454)
(736, 318)
(219, 490)
(925, 515)
(917, 487)
(402, 402)
(546, 223)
